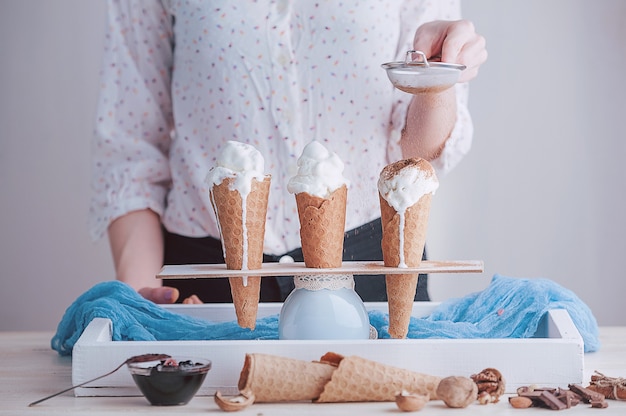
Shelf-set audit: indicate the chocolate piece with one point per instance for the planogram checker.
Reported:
(548, 389)
(550, 400)
(568, 397)
(599, 404)
(559, 399)
(531, 394)
(587, 395)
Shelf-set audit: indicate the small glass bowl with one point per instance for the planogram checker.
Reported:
(170, 382)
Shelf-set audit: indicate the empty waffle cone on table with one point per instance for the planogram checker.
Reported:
(336, 378)
(273, 378)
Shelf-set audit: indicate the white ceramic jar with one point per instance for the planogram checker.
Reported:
(323, 306)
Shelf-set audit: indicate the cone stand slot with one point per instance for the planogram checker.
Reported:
(203, 271)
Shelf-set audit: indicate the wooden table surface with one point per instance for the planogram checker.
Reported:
(31, 370)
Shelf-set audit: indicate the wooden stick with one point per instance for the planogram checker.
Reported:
(200, 271)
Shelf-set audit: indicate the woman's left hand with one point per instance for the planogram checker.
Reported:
(455, 42)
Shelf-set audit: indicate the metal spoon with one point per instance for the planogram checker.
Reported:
(135, 359)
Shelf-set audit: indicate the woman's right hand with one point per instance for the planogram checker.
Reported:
(166, 295)
(455, 42)
(137, 247)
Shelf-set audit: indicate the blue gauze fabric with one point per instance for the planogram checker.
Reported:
(507, 308)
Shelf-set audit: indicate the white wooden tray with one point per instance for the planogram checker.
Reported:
(553, 358)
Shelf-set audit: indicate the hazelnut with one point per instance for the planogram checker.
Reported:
(411, 402)
(457, 392)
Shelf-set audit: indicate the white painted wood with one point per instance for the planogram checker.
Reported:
(31, 370)
(554, 358)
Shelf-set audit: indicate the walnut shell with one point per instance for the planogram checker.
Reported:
(234, 403)
(411, 402)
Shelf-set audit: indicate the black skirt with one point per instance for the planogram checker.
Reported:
(360, 244)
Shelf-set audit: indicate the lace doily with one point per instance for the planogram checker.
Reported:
(324, 281)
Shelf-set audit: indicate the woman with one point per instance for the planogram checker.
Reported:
(181, 79)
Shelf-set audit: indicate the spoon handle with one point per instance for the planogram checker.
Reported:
(76, 386)
(135, 359)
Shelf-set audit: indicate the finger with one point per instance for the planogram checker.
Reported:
(428, 39)
(459, 34)
(473, 55)
(192, 300)
(467, 75)
(162, 295)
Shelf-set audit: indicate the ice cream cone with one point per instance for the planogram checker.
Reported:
(401, 288)
(272, 378)
(246, 299)
(336, 379)
(242, 231)
(357, 379)
(404, 236)
(322, 226)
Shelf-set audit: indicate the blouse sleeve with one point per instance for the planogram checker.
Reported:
(457, 145)
(134, 114)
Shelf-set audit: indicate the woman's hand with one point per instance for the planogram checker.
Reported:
(166, 295)
(137, 246)
(455, 42)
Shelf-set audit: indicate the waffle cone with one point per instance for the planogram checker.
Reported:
(245, 299)
(237, 240)
(357, 379)
(401, 288)
(415, 227)
(400, 297)
(410, 248)
(272, 378)
(322, 226)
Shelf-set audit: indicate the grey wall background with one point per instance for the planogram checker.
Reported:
(540, 195)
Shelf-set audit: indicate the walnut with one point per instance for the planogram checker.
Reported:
(456, 391)
(489, 381)
(485, 398)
